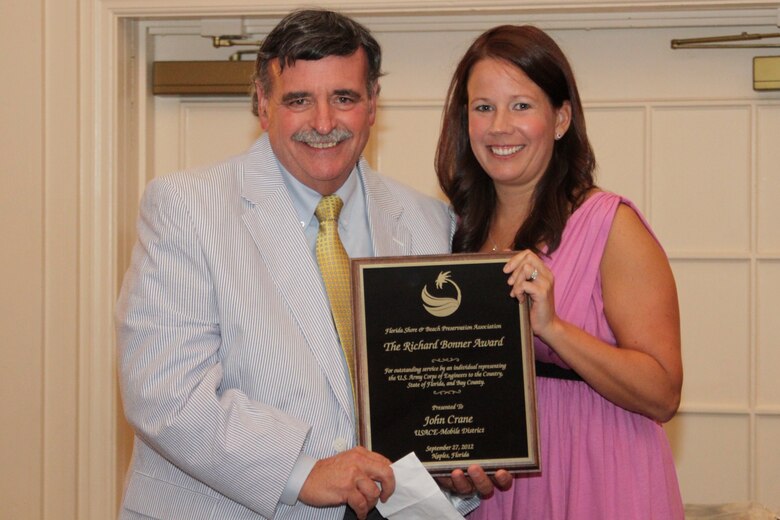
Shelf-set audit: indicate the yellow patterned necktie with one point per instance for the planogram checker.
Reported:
(334, 265)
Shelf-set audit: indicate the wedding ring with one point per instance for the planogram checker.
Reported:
(533, 276)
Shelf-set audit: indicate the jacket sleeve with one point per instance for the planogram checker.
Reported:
(170, 370)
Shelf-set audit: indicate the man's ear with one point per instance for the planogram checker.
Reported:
(262, 105)
(372, 103)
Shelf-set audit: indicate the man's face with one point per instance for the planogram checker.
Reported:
(318, 115)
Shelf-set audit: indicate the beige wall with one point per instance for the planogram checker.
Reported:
(22, 260)
(58, 216)
(39, 223)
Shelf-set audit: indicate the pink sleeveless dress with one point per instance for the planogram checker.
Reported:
(598, 461)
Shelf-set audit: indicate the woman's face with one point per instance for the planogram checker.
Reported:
(512, 124)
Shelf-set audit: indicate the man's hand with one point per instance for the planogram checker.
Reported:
(357, 477)
(476, 481)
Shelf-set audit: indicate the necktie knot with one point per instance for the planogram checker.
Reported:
(329, 208)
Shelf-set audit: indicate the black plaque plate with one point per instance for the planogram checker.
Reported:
(445, 364)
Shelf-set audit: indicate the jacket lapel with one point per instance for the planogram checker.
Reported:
(389, 237)
(270, 215)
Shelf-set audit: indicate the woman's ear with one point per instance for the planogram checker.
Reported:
(562, 119)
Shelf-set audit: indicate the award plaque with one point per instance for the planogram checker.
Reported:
(445, 364)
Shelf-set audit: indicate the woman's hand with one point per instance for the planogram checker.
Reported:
(475, 480)
(530, 278)
(642, 372)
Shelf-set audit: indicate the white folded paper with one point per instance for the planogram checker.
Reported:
(417, 496)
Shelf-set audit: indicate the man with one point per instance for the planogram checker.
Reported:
(231, 369)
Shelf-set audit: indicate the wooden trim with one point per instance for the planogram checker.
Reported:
(202, 77)
(99, 66)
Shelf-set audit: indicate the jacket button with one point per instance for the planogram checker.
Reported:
(339, 444)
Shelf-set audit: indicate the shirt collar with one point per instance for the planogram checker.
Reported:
(305, 199)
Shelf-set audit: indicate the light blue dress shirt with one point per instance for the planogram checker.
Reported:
(355, 234)
(353, 220)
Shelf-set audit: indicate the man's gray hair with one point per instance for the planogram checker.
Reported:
(312, 35)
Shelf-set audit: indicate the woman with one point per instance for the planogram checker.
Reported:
(515, 161)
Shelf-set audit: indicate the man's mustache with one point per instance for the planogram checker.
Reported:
(313, 137)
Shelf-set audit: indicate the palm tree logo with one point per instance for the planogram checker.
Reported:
(441, 307)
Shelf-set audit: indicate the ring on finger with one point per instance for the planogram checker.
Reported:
(533, 276)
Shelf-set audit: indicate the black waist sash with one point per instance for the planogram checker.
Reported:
(554, 371)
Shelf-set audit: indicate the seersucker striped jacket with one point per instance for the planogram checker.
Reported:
(229, 362)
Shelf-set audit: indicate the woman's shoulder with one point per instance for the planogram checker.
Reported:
(610, 206)
(597, 205)
(630, 233)
(599, 196)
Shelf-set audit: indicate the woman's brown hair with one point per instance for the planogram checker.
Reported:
(569, 175)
